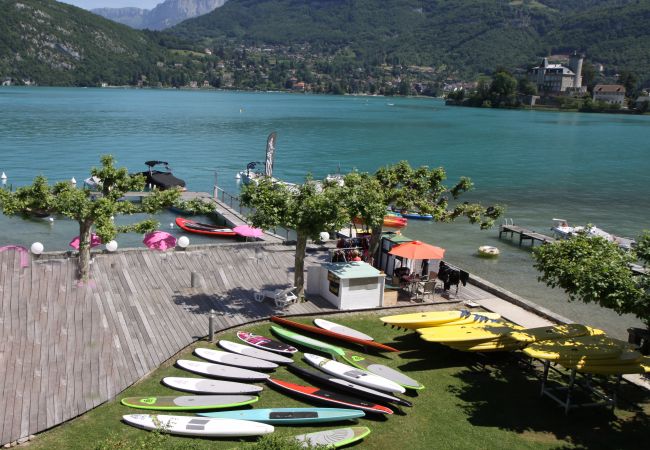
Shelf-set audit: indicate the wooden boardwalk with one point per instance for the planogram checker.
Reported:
(66, 348)
(525, 234)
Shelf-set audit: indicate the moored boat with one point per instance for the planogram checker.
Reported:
(161, 179)
(563, 230)
(203, 228)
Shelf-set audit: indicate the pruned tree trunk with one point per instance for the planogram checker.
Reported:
(375, 239)
(299, 275)
(83, 268)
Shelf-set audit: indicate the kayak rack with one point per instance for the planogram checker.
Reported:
(564, 395)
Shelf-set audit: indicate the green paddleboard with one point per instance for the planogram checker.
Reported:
(308, 342)
(189, 402)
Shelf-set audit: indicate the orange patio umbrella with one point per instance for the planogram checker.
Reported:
(418, 250)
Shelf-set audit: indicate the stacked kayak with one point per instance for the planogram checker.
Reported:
(414, 321)
(599, 355)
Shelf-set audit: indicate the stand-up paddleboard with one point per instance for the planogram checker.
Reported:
(332, 334)
(341, 329)
(189, 402)
(247, 350)
(289, 416)
(198, 426)
(352, 374)
(334, 438)
(431, 318)
(583, 347)
(383, 371)
(221, 371)
(314, 344)
(233, 359)
(265, 343)
(203, 386)
(553, 332)
(323, 395)
(347, 386)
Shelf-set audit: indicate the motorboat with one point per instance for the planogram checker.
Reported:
(161, 178)
(563, 230)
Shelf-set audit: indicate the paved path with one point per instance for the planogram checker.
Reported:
(65, 349)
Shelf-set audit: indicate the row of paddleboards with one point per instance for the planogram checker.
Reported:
(227, 427)
(249, 363)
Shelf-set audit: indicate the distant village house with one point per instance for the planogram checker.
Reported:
(614, 94)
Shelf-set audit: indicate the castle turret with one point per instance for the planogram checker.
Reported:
(575, 64)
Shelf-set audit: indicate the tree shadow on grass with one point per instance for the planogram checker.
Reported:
(506, 395)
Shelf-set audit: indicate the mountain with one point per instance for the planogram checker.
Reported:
(163, 16)
(55, 43)
(465, 37)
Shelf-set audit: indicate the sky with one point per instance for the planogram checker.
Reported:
(90, 4)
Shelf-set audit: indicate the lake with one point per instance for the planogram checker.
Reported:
(585, 168)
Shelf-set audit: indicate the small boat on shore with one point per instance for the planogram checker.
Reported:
(203, 228)
(562, 230)
(488, 251)
(416, 216)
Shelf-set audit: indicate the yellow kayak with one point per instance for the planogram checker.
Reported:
(430, 319)
(579, 348)
(627, 356)
(495, 345)
(615, 369)
(552, 332)
(458, 325)
(475, 319)
(470, 334)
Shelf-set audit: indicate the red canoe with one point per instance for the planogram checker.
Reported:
(330, 397)
(332, 334)
(203, 228)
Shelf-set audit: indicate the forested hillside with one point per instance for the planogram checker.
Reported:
(55, 43)
(468, 36)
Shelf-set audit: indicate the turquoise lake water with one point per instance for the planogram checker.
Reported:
(586, 168)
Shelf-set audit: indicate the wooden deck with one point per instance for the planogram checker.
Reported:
(525, 234)
(66, 348)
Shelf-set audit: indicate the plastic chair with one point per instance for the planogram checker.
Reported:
(425, 289)
(281, 297)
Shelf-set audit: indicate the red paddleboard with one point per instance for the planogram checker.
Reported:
(332, 334)
(203, 228)
(330, 397)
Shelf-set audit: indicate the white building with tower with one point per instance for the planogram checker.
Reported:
(556, 79)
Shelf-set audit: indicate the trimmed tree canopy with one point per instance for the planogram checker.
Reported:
(594, 270)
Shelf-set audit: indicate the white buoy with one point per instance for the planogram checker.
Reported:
(238, 176)
(37, 248)
(3, 178)
(111, 246)
(73, 181)
(50, 219)
(171, 224)
(324, 236)
(183, 242)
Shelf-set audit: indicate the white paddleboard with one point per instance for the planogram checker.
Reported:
(221, 371)
(203, 386)
(247, 350)
(352, 374)
(198, 426)
(233, 359)
(341, 329)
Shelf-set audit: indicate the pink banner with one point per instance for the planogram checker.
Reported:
(24, 253)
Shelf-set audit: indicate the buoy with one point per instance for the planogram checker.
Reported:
(488, 251)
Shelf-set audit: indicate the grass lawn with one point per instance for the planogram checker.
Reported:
(466, 404)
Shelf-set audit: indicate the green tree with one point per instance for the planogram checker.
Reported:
(308, 209)
(90, 209)
(503, 89)
(594, 270)
(406, 188)
(525, 87)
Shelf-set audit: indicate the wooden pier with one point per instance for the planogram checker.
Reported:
(524, 234)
